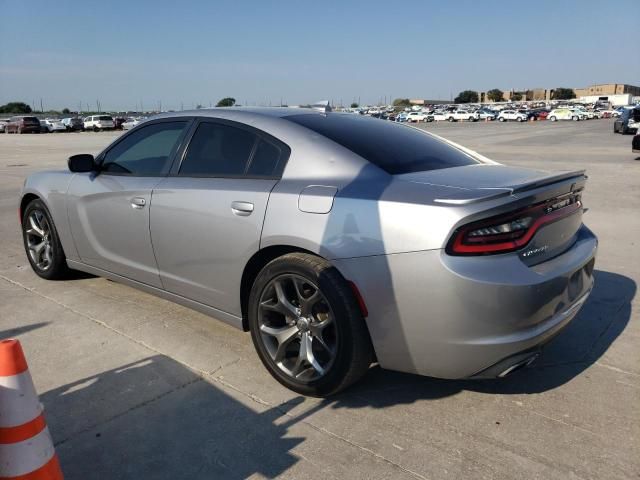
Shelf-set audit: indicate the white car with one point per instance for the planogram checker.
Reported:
(3, 123)
(418, 117)
(99, 122)
(55, 125)
(563, 114)
(440, 116)
(506, 115)
(463, 115)
(132, 122)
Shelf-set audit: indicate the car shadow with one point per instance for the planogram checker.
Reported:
(14, 332)
(155, 418)
(602, 319)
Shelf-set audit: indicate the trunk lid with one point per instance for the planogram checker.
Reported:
(554, 192)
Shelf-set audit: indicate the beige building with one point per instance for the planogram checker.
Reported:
(604, 89)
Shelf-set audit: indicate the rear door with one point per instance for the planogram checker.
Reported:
(207, 216)
(109, 210)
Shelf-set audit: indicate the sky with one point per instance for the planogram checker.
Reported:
(127, 53)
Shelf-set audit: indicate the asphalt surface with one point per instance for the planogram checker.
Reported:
(137, 387)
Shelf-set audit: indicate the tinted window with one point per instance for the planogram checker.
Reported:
(265, 160)
(218, 150)
(105, 117)
(395, 148)
(147, 151)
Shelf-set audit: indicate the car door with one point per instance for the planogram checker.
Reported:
(207, 216)
(108, 210)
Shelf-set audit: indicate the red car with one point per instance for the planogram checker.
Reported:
(543, 114)
(22, 124)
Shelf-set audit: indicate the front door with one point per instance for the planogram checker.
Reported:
(109, 209)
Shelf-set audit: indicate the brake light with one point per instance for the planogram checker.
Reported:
(512, 231)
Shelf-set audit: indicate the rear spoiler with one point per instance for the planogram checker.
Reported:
(466, 197)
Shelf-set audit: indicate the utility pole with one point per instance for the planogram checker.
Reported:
(41, 109)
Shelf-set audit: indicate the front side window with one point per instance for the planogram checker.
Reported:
(218, 150)
(147, 151)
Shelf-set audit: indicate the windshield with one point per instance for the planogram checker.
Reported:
(395, 148)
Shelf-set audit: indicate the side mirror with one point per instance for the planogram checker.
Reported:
(83, 162)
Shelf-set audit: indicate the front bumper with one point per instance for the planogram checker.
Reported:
(456, 317)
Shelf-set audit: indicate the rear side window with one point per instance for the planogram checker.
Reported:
(265, 160)
(397, 149)
(147, 151)
(218, 150)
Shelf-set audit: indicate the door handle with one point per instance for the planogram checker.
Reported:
(242, 209)
(138, 202)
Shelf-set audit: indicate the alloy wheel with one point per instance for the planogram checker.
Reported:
(39, 241)
(297, 327)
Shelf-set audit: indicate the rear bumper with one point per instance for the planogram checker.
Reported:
(459, 317)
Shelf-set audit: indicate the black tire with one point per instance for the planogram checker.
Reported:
(96, 129)
(57, 269)
(451, 119)
(552, 118)
(502, 119)
(352, 353)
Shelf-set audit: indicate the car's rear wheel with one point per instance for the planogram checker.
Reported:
(307, 327)
(501, 119)
(41, 242)
(575, 118)
(451, 119)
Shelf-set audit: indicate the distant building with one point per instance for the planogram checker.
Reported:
(421, 101)
(605, 89)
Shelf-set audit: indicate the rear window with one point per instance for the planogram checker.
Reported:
(104, 117)
(397, 149)
(30, 119)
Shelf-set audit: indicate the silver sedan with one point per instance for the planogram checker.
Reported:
(337, 240)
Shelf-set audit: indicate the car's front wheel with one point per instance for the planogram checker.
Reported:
(553, 119)
(41, 242)
(307, 326)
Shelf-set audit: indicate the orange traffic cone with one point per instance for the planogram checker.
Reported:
(26, 449)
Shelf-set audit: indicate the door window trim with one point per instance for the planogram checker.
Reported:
(181, 140)
(285, 150)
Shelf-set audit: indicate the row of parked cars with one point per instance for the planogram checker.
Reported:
(31, 124)
(455, 114)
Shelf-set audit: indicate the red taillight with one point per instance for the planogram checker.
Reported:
(512, 231)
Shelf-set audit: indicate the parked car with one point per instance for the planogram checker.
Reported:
(54, 125)
(98, 122)
(440, 115)
(3, 123)
(73, 124)
(463, 115)
(396, 254)
(132, 122)
(487, 114)
(419, 117)
(22, 124)
(635, 143)
(402, 117)
(563, 114)
(627, 121)
(506, 115)
(117, 122)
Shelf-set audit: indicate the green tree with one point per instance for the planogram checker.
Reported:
(198, 107)
(226, 102)
(516, 96)
(66, 111)
(563, 94)
(402, 102)
(495, 95)
(466, 96)
(354, 105)
(15, 107)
